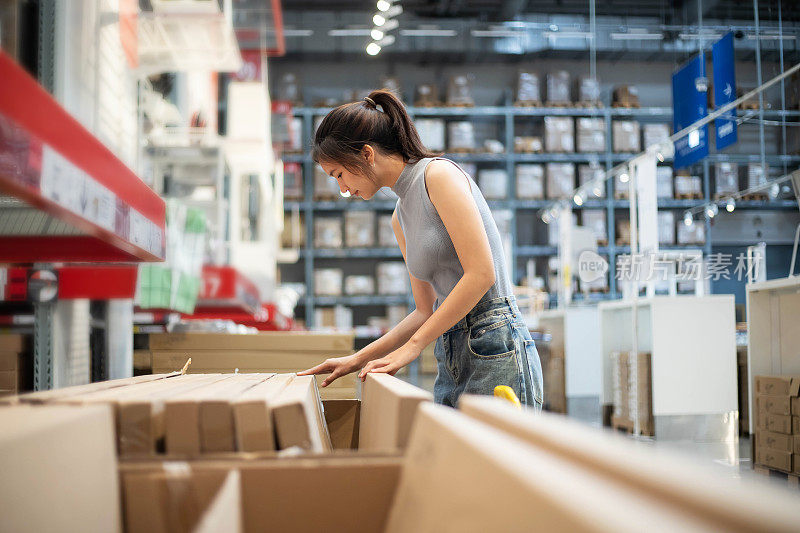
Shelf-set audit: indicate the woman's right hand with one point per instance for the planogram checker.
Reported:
(336, 367)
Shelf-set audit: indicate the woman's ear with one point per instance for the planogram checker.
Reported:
(368, 153)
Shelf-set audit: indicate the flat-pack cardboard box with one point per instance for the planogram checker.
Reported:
(252, 414)
(701, 492)
(58, 467)
(388, 410)
(176, 499)
(279, 352)
(298, 417)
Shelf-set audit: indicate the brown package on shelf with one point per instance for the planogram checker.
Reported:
(626, 384)
(389, 407)
(294, 230)
(265, 352)
(702, 493)
(473, 477)
(59, 468)
(625, 96)
(779, 423)
(777, 405)
(593, 176)
(459, 90)
(298, 417)
(177, 500)
(426, 95)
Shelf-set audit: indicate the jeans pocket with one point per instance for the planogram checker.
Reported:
(492, 340)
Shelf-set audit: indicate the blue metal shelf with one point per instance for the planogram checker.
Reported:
(361, 300)
(535, 251)
(353, 253)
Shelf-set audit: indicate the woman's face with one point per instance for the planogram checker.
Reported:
(357, 184)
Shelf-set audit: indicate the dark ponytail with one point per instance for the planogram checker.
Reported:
(344, 131)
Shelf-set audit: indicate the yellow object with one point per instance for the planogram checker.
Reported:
(189, 362)
(507, 393)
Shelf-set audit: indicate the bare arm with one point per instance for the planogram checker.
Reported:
(450, 194)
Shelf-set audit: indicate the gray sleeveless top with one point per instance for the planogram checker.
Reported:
(430, 254)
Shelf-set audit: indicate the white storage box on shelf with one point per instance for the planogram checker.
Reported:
(591, 134)
(431, 133)
(726, 177)
(664, 186)
(461, 137)
(666, 227)
(655, 133)
(359, 285)
(328, 232)
(493, 183)
(328, 281)
(773, 308)
(625, 136)
(692, 340)
(575, 333)
(386, 238)
(392, 278)
(359, 229)
(559, 134)
(560, 180)
(530, 181)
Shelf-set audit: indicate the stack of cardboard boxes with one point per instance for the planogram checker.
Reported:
(777, 422)
(14, 349)
(632, 391)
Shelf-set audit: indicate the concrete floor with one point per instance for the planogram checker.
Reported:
(729, 459)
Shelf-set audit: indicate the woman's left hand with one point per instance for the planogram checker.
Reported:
(390, 363)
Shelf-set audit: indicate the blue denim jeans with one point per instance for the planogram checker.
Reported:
(490, 346)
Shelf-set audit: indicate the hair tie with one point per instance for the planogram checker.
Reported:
(370, 101)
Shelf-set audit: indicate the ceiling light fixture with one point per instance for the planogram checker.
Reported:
(376, 34)
(378, 19)
(373, 49)
(383, 5)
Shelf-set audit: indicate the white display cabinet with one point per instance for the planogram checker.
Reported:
(773, 345)
(692, 340)
(576, 330)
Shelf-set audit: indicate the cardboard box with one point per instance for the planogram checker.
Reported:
(774, 441)
(774, 459)
(388, 409)
(42, 397)
(293, 181)
(595, 219)
(664, 187)
(592, 173)
(666, 227)
(528, 88)
(431, 133)
(298, 418)
(779, 423)
(59, 468)
(528, 144)
(796, 446)
(386, 237)
(392, 278)
(474, 477)
(328, 281)
(10, 361)
(726, 178)
(343, 418)
(359, 285)
(252, 415)
(588, 89)
(796, 463)
(778, 385)
(14, 343)
(559, 134)
(459, 90)
(461, 136)
(530, 181)
(180, 500)
(626, 96)
(328, 232)
(555, 399)
(795, 406)
(625, 136)
(757, 175)
(655, 134)
(591, 135)
(692, 234)
(723, 506)
(796, 425)
(688, 186)
(779, 405)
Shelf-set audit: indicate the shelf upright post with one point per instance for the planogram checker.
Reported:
(43, 346)
(610, 222)
(512, 184)
(308, 207)
(707, 196)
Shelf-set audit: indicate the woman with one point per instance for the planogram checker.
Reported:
(453, 252)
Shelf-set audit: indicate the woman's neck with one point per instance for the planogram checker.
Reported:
(389, 170)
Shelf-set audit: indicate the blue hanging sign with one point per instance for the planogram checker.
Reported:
(724, 90)
(690, 104)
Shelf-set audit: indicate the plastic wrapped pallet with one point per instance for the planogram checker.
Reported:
(461, 136)
(427, 95)
(664, 188)
(591, 134)
(493, 183)
(688, 186)
(328, 281)
(593, 173)
(530, 181)
(386, 238)
(459, 90)
(630, 387)
(528, 88)
(392, 278)
(621, 188)
(666, 227)
(359, 285)
(559, 134)
(528, 145)
(726, 176)
(588, 90)
(623, 232)
(431, 133)
(757, 176)
(626, 136)
(595, 219)
(325, 187)
(560, 180)
(293, 181)
(694, 233)
(558, 85)
(655, 134)
(359, 229)
(328, 232)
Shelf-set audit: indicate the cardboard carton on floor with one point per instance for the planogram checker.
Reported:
(776, 459)
(774, 441)
(778, 405)
(778, 385)
(780, 424)
(701, 492)
(58, 466)
(175, 499)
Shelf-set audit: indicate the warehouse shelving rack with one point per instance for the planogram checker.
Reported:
(508, 113)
